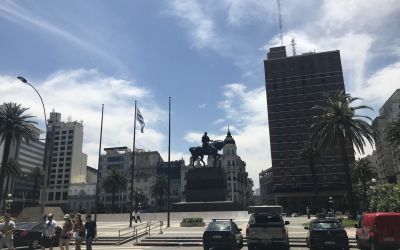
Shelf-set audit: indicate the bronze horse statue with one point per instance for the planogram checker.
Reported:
(213, 149)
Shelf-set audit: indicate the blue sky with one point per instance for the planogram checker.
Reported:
(207, 55)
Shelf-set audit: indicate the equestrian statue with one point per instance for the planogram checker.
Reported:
(209, 148)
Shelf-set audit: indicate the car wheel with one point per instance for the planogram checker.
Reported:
(373, 246)
(34, 244)
(251, 247)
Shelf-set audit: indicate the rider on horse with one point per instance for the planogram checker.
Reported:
(206, 142)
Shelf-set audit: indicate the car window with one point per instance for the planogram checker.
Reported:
(26, 226)
(327, 225)
(219, 226)
(38, 227)
(267, 218)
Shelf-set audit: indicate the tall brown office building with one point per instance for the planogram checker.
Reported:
(294, 85)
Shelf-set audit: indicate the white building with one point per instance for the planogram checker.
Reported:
(68, 163)
(239, 186)
(388, 159)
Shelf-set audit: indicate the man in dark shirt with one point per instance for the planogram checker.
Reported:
(91, 231)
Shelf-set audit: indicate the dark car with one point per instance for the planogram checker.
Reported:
(222, 233)
(327, 234)
(28, 235)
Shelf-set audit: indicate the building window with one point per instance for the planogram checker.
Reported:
(58, 196)
(64, 132)
(51, 196)
(65, 195)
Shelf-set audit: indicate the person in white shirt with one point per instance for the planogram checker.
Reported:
(7, 232)
(49, 232)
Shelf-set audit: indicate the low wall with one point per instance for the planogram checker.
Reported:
(176, 216)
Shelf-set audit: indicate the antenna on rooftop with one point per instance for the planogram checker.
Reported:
(280, 21)
(293, 44)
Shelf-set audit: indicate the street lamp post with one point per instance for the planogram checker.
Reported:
(47, 148)
(9, 201)
(331, 205)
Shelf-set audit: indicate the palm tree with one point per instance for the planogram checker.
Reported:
(309, 153)
(37, 175)
(11, 169)
(337, 125)
(113, 183)
(392, 132)
(15, 126)
(159, 189)
(363, 172)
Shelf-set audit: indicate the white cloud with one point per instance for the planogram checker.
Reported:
(200, 25)
(201, 106)
(381, 85)
(79, 94)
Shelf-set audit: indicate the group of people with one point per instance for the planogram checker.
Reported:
(75, 229)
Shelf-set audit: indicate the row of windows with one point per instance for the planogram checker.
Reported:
(312, 76)
(64, 137)
(305, 178)
(62, 153)
(59, 176)
(62, 148)
(56, 196)
(59, 182)
(62, 143)
(290, 94)
(61, 159)
(67, 164)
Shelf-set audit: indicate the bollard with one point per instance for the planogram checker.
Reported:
(136, 235)
(161, 223)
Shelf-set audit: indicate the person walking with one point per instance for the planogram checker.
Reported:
(79, 231)
(6, 232)
(91, 231)
(137, 215)
(49, 232)
(66, 232)
(308, 212)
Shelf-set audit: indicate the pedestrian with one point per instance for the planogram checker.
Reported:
(66, 232)
(49, 232)
(137, 214)
(79, 231)
(308, 212)
(6, 232)
(91, 231)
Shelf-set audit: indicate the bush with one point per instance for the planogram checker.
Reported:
(192, 220)
(385, 198)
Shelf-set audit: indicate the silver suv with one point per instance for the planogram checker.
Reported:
(267, 229)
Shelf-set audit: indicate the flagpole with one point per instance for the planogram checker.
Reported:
(132, 170)
(169, 163)
(98, 165)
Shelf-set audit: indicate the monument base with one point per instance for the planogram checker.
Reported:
(205, 206)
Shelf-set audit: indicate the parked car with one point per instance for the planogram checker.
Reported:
(266, 228)
(222, 233)
(326, 233)
(378, 231)
(28, 235)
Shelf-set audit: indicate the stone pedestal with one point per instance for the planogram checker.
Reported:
(205, 184)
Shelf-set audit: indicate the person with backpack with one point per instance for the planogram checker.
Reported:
(66, 232)
(49, 232)
(6, 232)
(79, 231)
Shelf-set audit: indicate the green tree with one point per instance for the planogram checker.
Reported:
(159, 189)
(37, 176)
(114, 182)
(11, 169)
(392, 132)
(15, 126)
(385, 198)
(309, 153)
(363, 172)
(337, 125)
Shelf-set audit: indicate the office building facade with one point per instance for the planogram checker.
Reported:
(68, 163)
(388, 157)
(294, 85)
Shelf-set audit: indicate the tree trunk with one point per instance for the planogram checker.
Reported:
(6, 192)
(364, 184)
(314, 180)
(350, 199)
(112, 202)
(6, 153)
